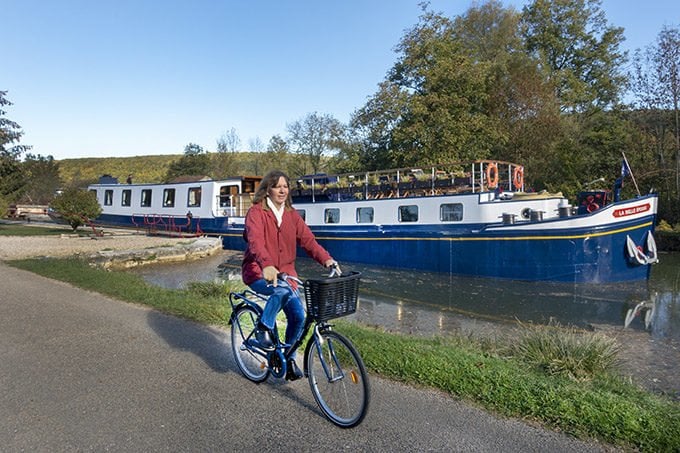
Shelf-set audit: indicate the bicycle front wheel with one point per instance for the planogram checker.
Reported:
(338, 379)
(251, 362)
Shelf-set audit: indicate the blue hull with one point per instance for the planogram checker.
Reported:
(578, 256)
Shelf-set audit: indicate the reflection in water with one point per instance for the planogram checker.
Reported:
(423, 302)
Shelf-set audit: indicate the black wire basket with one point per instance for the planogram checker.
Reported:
(332, 297)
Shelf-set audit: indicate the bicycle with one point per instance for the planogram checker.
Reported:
(332, 365)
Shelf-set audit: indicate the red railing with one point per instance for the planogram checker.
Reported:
(171, 225)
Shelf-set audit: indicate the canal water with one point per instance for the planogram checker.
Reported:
(644, 317)
(430, 303)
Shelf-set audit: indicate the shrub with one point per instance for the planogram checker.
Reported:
(664, 226)
(76, 205)
(569, 352)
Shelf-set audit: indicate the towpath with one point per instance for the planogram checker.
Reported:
(83, 372)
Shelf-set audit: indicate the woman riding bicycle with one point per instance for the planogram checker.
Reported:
(273, 229)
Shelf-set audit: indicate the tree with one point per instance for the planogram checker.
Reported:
(442, 99)
(520, 98)
(76, 206)
(194, 162)
(667, 61)
(228, 142)
(315, 135)
(447, 115)
(192, 149)
(656, 85)
(42, 178)
(278, 155)
(579, 49)
(12, 179)
(225, 164)
(10, 132)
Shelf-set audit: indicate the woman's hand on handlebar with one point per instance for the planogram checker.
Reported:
(334, 266)
(270, 274)
(286, 277)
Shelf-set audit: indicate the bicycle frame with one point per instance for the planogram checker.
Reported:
(285, 350)
(336, 373)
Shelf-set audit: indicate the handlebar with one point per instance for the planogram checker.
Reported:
(334, 272)
(285, 277)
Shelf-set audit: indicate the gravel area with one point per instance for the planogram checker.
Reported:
(17, 247)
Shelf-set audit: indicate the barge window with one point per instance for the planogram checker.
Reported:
(302, 213)
(364, 215)
(168, 198)
(331, 215)
(408, 213)
(146, 198)
(126, 197)
(225, 195)
(451, 212)
(248, 186)
(194, 197)
(108, 197)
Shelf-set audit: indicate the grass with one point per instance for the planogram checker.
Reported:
(11, 229)
(566, 351)
(563, 379)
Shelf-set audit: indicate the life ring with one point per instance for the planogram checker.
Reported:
(492, 175)
(518, 178)
(591, 204)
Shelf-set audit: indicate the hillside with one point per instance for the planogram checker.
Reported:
(142, 168)
(153, 169)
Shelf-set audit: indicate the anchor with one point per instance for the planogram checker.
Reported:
(638, 255)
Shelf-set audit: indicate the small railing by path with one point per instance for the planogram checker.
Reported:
(182, 226)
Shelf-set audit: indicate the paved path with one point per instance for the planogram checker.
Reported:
(82, 372)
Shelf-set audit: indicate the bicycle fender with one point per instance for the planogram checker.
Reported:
(242, 304)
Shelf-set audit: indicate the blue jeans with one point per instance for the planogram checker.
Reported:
(282, 296)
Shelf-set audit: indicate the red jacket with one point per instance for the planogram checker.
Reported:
(269, 245)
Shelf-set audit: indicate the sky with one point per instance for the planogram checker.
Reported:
(114, 78)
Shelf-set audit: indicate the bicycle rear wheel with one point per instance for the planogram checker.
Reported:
(251, 362)
(338, 379)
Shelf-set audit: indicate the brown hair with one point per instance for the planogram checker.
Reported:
(270, 180)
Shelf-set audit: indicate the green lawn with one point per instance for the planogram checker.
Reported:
(18, 229)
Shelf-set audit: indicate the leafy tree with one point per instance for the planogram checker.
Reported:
(192, 149)
(579, 55)
(10, 132)
(579, 49)
(313, 136)
(656, 86)
(194, 162)
(461, 89)
(278, 156)
(76, 206)
(42, 178)
(12, 179)
(372, 126)
(446, 116)
(224, 165)
(277, 145)
(520, 98)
